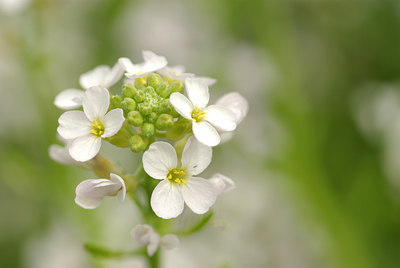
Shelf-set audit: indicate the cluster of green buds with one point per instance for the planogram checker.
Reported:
(148, 111)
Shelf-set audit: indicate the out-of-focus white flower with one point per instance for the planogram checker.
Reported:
(177, 185)
(152, 62)
(13, 6)
(87, 128)
(146, 236)
(102, 75)
(90, 193)
(176, 72)
(60, 154)
(208, 80)
(205, 120)
(222, 183)
(238, 105)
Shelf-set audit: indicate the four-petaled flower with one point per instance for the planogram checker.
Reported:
(177, 185)
(102, 75)
(90, 193)
(176, 72)
(146, 236)
(87, 128)
(152, 62)
(205, 120)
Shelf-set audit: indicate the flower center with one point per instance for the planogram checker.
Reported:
(198, 115)
(97, 128)
(177, 175)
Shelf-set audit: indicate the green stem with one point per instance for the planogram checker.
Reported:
(197, 227)
(154, 261)
(103, 252)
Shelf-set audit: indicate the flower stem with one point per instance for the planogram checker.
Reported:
(154, 261)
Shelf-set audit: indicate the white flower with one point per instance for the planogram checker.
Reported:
(13, 7)
(60, 154)
(176, 72)
(238, 105)
(222, 183)
(90, 193)
(209, 81)
(100, 76)
(87, 128)
(205, 120)
(152, 62)
(177, 185)
(146, 236)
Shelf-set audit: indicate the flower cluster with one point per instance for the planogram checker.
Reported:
(160, 111)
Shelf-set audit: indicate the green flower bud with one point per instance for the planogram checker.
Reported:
(177, 86)
(153, 80)
(163, 89)
(115, 101)
(164, 122)
(151, 117)
(138, 143)
(150, 91)
(145, 108)
(148, 129)
(139, 96)
(165, 107)
(128, 90)
(128, 104)
(135, 118)
(141, 81)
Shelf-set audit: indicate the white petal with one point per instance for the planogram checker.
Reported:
(220, 117)
(199, 195)
(166, 200)
(85, 148)
(73, 124)
(225, 136)
(153, 243)
(222, 183)
(69, 99)
(206, 133)
(90, 193)
(142, 233)
(197, 91)
(94, 77)
(96, 102)
(182, 105)
(128, 65)
(159, 159)
(209, 81)
(196, 156)
(61, 155)
(236, 103)
(118, 180)
(114, 75)
(112, 122)
(153, 62)
(169, 241)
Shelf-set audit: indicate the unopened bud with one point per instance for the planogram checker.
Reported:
(145, 108)
(128, 104)
(165, 107)
(153, 80)
(122, 138)
(163, 89)
(164, 122)
(138, 143)
(139, 96)
(148, 129)
(128, 90)
(151, 117)
(115, 101)
(135, 118)
(177, 86)
(141, 81)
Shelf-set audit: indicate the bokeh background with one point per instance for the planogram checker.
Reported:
(316, 162)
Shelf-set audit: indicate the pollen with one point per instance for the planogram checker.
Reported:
(198, 115)
(177, 175)
(97, 128)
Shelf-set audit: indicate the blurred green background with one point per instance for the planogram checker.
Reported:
(315, 162)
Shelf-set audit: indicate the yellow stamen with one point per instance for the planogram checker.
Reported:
(97, 128)
(198, 115)
(177, 175)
